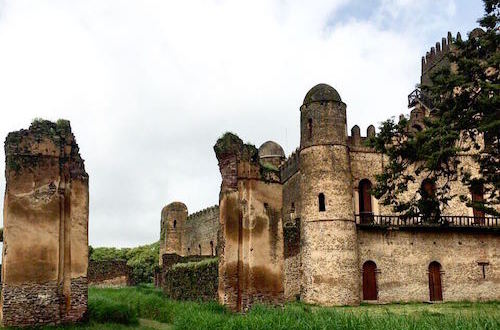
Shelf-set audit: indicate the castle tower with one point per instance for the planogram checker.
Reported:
(271, 153)
(329, 252)
(173, 217)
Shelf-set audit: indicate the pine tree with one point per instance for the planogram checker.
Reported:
(465, 118)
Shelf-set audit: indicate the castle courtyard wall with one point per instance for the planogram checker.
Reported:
(199, 233)
(403, 257)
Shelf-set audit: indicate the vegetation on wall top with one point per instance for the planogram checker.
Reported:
(142, 259)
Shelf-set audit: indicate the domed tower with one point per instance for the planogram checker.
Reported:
(173, 217)
(329, 251)
(272, 153)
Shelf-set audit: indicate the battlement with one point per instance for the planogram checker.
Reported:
(290, 166)
(436, 55)
(210, 209)
(356, 140)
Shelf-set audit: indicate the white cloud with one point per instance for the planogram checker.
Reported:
(150, 85)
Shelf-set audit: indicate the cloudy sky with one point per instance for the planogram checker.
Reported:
(149, 85)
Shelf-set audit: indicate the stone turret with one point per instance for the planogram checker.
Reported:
(329, 251)
(173, 217)
(272, 153)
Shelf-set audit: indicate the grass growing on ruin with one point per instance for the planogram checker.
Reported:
(145, 302)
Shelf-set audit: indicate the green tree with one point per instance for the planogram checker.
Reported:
(465, 113)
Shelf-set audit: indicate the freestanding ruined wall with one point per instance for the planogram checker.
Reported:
(251, 238)
(45, 250)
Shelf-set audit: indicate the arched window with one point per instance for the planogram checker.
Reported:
(477, 192)
(428, 188)
(310, 127)
(175, 223)
(365, 201)
(369, 281)
(212, 247)
(435, 289)
(199, 246)
(321, 202)
(189, 251)
(292, 208)
(428, 205)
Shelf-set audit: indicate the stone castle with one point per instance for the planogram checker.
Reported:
(306, 227)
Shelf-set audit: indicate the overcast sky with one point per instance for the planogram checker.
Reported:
(149, 86)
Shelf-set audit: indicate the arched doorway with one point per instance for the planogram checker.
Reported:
(435, 289)
(365, 201)
(369, 281)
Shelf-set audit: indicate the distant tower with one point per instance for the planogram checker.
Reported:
(272, 153)
(329, 253)
(173, 217)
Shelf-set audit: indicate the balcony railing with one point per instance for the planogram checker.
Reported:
(388, 221)
(418, 96)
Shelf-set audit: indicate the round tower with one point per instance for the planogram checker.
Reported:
(330, 249)
(272, 153)
(173, 217)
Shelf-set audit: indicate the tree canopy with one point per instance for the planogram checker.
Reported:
(464, 120)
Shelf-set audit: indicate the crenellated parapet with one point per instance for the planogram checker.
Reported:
(202, 213)
(290, 166)
(356, 140)
(436, 57)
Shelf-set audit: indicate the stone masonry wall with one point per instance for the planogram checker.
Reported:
(109, 273)
(45, 250)
(251, 238)
(403, 257)
(291, 237)
(192, 280)
(200, 232)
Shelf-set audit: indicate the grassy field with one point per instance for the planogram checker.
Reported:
(147, 308)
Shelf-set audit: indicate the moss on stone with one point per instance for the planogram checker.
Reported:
(196, 264)
(231, 144)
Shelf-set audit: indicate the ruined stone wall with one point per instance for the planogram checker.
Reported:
(45, 250)
(109, 273)
(200, 232)
(291, 237)
(403, 257)
(192, 280)
(251, 239)
(185, 235)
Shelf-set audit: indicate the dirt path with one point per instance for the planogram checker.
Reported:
(155, 325)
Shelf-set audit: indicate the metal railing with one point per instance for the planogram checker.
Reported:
(417, 96)
(369, 219)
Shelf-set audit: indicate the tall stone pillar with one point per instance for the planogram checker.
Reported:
(46, 205)
(251, 237)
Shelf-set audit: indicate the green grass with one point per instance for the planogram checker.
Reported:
(145, 302)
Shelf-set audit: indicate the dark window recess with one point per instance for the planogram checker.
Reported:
(310, 127)
(365, 201)
(175, 223)
(292, 208)
(321, 202)
(477, 192)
